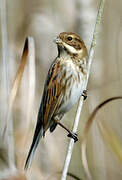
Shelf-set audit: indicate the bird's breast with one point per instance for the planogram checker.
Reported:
(73, 87)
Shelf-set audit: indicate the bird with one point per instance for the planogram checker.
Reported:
(63, 87)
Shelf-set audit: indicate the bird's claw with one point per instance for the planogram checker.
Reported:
(84, 94)
(73, 135)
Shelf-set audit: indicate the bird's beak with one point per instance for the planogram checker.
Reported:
(57, 40)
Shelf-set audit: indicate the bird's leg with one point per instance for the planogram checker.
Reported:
(84, 94)
(71, 134)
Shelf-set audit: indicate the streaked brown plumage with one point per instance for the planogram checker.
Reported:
(63, 86)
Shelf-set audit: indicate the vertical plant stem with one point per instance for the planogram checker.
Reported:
(80, 104)
(5, 82)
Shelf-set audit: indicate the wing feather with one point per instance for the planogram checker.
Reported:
(53, 94)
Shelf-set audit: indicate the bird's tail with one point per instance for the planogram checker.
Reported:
(38, 134)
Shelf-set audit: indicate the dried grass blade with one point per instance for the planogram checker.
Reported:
(87, 128)
(31, 93)
(17, 82)
(111, 140)
(31, 96)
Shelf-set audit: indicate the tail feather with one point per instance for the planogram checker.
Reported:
(38, 134)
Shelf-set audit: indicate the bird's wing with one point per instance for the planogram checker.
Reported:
(53, 93)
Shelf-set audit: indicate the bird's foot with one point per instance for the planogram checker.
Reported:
(84, 94)
(73, 135)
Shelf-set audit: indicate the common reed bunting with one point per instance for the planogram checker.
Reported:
(63, 87)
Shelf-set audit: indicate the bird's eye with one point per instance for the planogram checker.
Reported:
(69, 38)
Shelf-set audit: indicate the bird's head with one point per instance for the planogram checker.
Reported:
(71, 43)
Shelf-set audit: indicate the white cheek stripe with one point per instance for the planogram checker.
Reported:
(72, 49)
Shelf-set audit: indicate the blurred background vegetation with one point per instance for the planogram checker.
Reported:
(44, 20)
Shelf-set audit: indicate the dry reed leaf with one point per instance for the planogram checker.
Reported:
(28, 53)
(31, 96)
(17, 82)
(87, 128)
(111, 139)
(31, 93)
